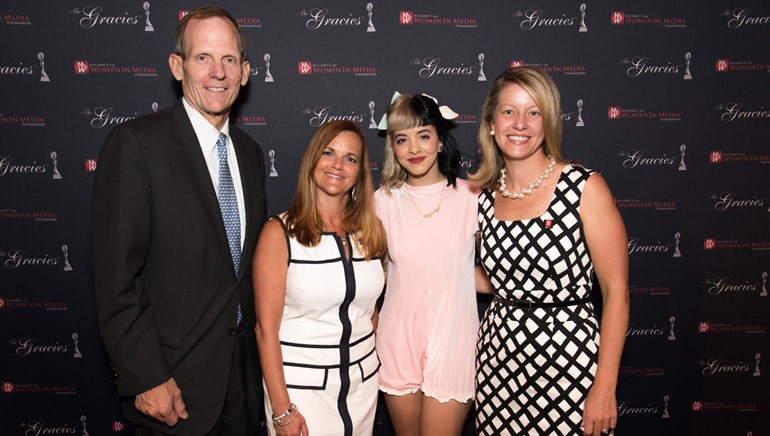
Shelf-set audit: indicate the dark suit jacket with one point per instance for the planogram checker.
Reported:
(166, 291)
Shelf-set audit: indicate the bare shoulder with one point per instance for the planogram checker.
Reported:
(273, 235)
(596, 191)
(275, 224)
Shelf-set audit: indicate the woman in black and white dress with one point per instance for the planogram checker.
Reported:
(546, 227)
(317, 277)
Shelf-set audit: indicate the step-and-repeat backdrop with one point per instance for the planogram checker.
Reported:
(669, 100)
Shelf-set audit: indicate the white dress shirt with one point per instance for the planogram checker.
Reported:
(207, 137)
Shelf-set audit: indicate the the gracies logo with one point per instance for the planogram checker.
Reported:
(742, 16)
(640, 65)
(536, 18)
(319, 17)
(432, 67)
(733, 111)
(103, 116)
(92, 16)
(320, 115)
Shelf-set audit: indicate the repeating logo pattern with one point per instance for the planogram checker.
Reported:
(682, 147)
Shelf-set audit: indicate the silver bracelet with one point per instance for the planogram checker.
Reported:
(278, 419)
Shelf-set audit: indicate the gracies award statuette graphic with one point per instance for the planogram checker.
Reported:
(268, 76)
(147, 25)
(271, 155)
(43, 76)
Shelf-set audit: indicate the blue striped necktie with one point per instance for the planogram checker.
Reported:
(228, 205)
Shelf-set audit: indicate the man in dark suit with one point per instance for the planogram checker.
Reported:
(178, 205)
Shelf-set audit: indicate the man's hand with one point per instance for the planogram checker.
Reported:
(163, 403)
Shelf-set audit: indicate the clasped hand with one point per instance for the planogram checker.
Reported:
(163, 403)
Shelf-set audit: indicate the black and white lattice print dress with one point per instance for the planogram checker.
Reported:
(536, 362)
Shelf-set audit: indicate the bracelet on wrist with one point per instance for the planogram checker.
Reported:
(278, 420)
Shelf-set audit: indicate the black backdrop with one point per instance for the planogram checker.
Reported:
(669, 100)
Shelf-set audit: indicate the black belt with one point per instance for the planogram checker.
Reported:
(529, 304)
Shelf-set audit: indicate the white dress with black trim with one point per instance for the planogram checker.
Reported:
(326, 335)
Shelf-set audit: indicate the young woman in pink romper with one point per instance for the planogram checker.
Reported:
(428, 325)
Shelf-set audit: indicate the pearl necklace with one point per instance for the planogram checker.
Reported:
(432, 212)
(528, 190)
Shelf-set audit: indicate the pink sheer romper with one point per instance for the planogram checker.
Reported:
(428, 325)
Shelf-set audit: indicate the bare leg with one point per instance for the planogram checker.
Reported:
(443, 419)
(405, 412)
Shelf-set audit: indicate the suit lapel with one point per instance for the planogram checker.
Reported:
(198, 173)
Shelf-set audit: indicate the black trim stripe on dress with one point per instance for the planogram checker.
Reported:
(310, 388)
(347, 330)
(299, 345)
(332, 260)
(326, 369)
(316, 262)
(311, 366)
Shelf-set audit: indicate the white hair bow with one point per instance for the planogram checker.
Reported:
(446, 112)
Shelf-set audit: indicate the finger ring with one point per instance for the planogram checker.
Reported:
(605, 431)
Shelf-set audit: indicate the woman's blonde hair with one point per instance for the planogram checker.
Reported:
(542, 89)
(303, 219)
